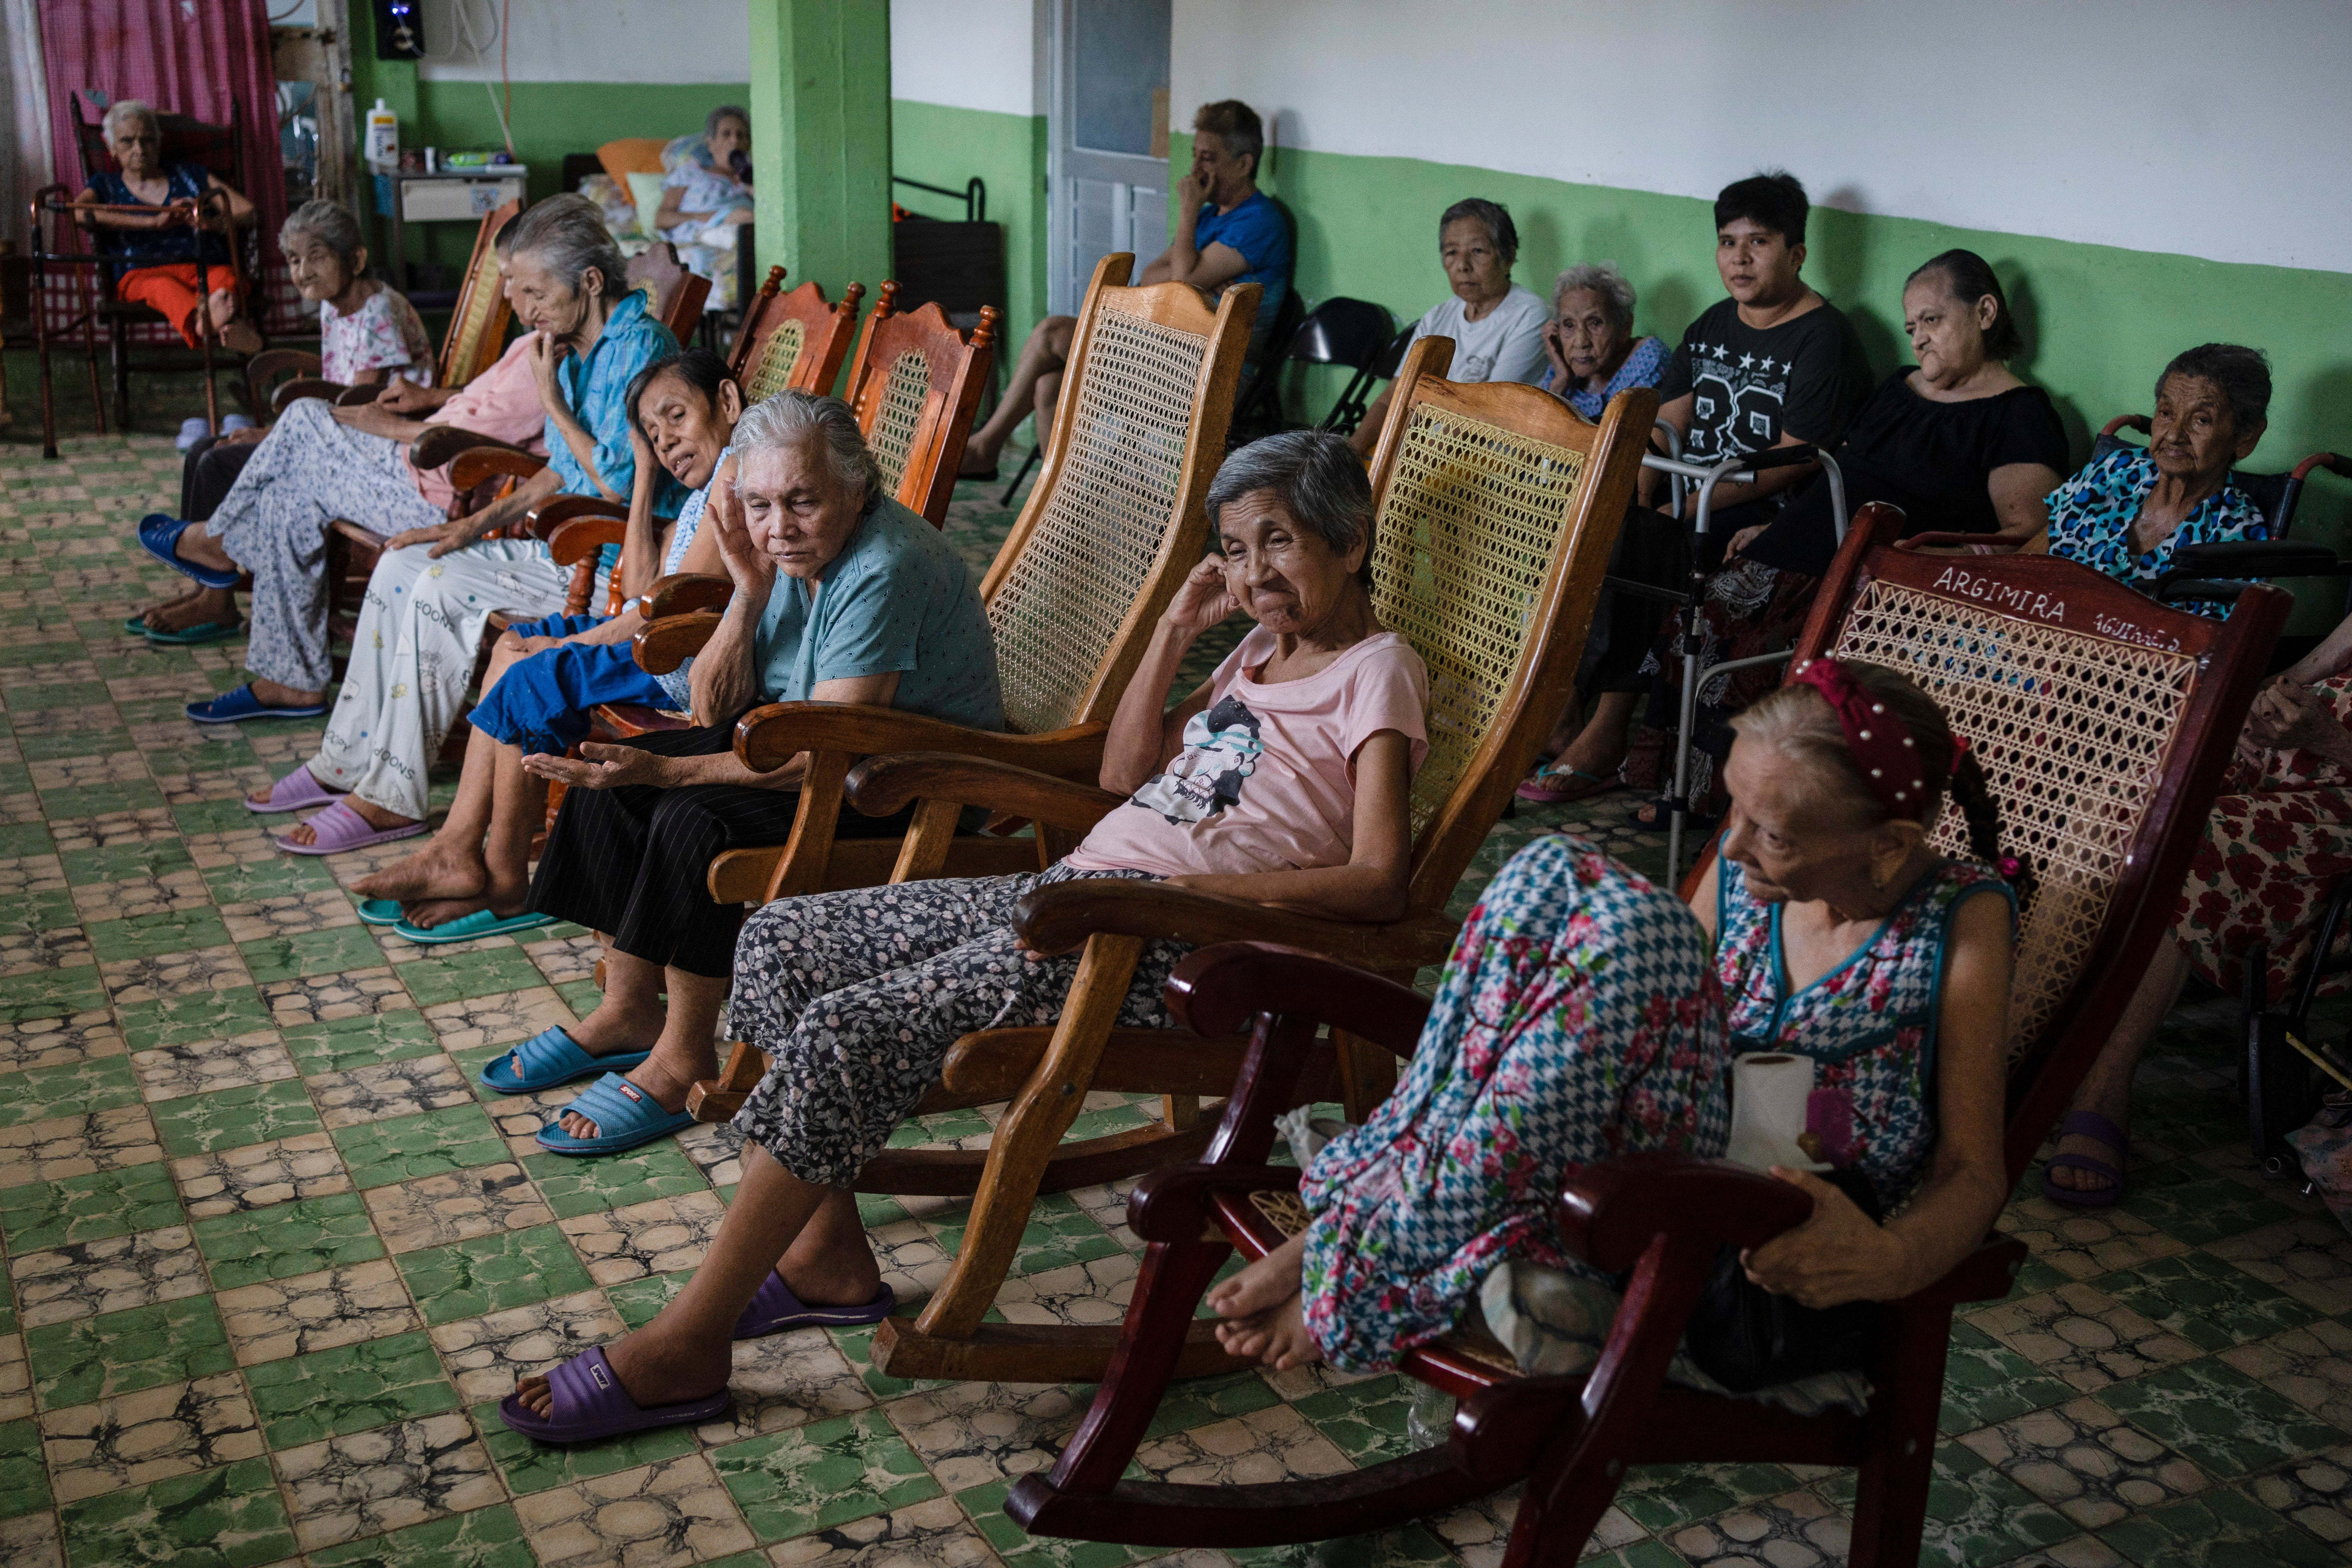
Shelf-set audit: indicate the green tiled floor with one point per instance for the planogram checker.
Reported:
(270, 1259)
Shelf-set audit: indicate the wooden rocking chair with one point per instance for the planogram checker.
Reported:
(914, 386)
(476, 336)
(1496, 509)
(2103, 720)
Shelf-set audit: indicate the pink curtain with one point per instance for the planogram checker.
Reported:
(197, 58)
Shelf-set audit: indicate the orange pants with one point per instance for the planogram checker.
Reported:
(178, 290)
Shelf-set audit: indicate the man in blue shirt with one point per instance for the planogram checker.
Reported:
(1227, 232)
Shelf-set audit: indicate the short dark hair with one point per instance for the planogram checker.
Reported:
(699, 368)
(1773, 200)
(1319, 481)
(2244, 375)
(1970, 277)
(1493, 215)
(1237, 122)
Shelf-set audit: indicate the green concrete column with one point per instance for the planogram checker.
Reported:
(820, 74)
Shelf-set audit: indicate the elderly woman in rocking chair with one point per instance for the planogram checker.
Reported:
(1283, 778)
(1582, 1017)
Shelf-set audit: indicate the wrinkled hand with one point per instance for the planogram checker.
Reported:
(401, 395)
(1838, 1255)
(747, 564)
(2290, 718)
(367, 418)
(545, 356)
(1742, 539)
(1204, 599)
(407, 537)
(1190, 192)
(600, 766)
(1563, 380)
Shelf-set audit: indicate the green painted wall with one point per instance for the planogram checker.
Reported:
(944, 146)
(2099, 322)
(820, 138)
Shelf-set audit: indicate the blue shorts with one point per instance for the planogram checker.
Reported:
(542, 703)
(557, 625)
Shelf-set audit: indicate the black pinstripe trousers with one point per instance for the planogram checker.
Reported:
(634, 862)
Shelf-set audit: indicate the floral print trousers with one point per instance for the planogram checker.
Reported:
(855, 997)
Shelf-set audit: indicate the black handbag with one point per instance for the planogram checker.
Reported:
(1746, 1337)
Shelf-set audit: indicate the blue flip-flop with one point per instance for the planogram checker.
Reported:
(551, 1058)
(205, 632)
(471, 927)
(380, 912)
(158, 535)
(626, 1116)
(231, 706)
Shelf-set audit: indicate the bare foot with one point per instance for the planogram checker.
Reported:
(237, 334)
(1261, 1311)
(2073, 1178)
(213, 604)
(978, 463)
(654, 1368)
(375, 816)
(437, 871)
(614, 1028)
(434, 912)
(651, 1076)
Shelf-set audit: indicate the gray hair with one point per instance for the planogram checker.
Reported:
(331, 224)
(2244, 375)
(567, 232)
(1318, 480)
(726, 111)
(1603, 280)
(123, 109)
(789, 419)
(1495, 216)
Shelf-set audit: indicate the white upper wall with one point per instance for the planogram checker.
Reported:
(970, 54)
(2217, 130)
(589, 40)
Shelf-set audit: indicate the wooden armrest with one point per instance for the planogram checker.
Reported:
(1990, 543)
(884, 785)
(1218, 990)
(664, 644)
(1172, 1204)
(1611, 1210)
(476, 464)
(683, 593)
(768, 737)
(573, 541)
(440, 443)
(1058, 918)
(552, 514)
(288, 394)
(270, 361)
(356, 396)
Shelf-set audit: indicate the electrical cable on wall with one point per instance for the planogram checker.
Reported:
(465, 42)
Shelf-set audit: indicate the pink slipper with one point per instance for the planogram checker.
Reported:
(340, 829)
(296, 790)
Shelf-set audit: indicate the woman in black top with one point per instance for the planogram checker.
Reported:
(1958, 442)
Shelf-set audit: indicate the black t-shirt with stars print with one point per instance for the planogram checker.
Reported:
(1807, 376)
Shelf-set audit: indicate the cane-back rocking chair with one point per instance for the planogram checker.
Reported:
(2103, 720)
(1497, 508)
(914, 386)
(476, 337)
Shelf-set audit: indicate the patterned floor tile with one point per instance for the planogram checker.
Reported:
(821, 1475)
(77, 1145)
(653, 1237)
(498, 1019)
(390, 1089)
(49, 1042)
(2219, 1417)
(168, 933)
(136, 1438)
(362, 1040)
(307, 1236)
(439, 1210)
(87, 1208)
(2309, 1258)
(196, 1018)
(406, 1148)
(25, 1483)
(459, 971)
(1796, 1529)
(2086, 1462)
(673, 1511)
(2082, 1337)
(493, 1273)
(486, 1537)
(94, 1277)
(146, 978)
(289, 937)
(236, 1116)
(235, 884)
(365, 1483)
(1018, 1549)
(176, 1072)
(716, 1150)
(934, 1534)
(2311, 1365)
(575, 1186)
(531, 1466)
(47, 952)
(2204, 1299)
(260, 1176)
(40, 1094)
(2315, 1492)
(159, 891)
(349, 1388)
(785, 1380)
(970, 1434)
(487, 1355)
(2221, 1527)
(316, 1311)
(329, 998)
(564, 959)
(231, 1515)
(96, 1358)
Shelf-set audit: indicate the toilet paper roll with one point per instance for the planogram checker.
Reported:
(1768, 1089)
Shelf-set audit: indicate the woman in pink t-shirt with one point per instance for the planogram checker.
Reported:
(1284, 779)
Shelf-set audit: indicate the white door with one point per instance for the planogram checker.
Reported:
(1106, 190)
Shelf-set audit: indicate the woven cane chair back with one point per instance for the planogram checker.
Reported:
(914, 384)
(898, 411)
(792, 340)
(477, 326)
(1133, 450)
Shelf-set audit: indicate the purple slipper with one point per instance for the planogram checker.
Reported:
(340, 829)
(776, 1308)
(2088, 1124)
(591, 1404)
(296, 790)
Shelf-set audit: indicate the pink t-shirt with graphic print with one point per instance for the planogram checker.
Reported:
(1266, 778)
(501, 403)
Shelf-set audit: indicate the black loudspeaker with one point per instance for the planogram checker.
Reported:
(399, 29)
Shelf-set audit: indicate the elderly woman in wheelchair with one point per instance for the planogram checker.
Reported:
(1282, 779)
(1582, 1017)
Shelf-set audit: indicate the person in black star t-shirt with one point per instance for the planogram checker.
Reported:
(1774, 365)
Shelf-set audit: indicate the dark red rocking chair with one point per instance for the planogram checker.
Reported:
(2103, 721)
